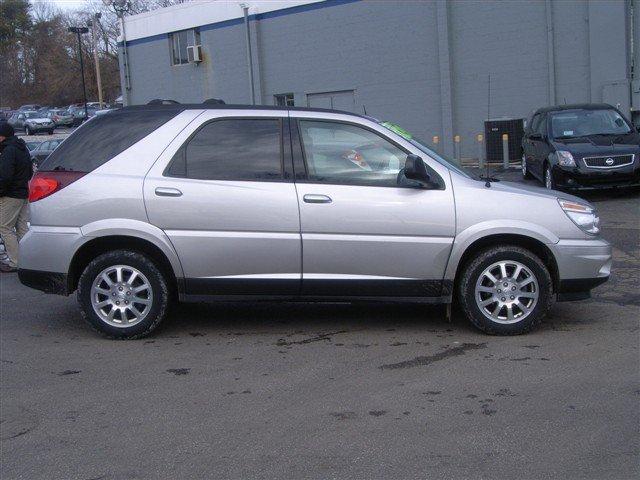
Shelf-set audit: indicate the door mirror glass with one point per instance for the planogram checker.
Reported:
(415, 169)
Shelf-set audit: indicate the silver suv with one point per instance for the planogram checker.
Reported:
(152, 204)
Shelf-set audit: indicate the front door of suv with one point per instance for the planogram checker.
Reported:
(366, 230)
(223, 196)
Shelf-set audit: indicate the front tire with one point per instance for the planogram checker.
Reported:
(525, 169)
(505, 290)
(123, 295)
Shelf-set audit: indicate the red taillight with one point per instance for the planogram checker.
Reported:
(44, 184)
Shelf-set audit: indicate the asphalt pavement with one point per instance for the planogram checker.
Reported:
(270, 390)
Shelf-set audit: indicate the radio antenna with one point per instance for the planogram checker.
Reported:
(486, 139)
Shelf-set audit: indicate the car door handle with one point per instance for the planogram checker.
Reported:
(311, 198)
(168, 192)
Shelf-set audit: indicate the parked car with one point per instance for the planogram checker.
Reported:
(32, 145)
(103, 111)
(29, 108)
(43, 150)
(581, 147)
(158, 203)
(79, 116)
(61, 117)
(32, 122)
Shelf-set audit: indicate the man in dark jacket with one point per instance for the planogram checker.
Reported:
(16, 170)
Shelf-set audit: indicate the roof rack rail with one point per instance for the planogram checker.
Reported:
(162, 101)
(214, 101)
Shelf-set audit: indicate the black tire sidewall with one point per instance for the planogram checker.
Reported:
(160, 293)
(477, 266)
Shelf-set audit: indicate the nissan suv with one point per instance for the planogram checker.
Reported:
(150, 205)
(581, 147)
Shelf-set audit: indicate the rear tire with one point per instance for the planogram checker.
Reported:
(131, 280)
(513, 304)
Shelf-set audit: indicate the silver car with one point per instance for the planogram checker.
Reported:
(153, 204)
(32, 122)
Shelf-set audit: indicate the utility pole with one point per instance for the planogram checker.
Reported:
(96, 58)
(252, 88)
(79, 31)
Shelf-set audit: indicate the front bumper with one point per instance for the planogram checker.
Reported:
(582, 265)
(594, 179)
(41, 127)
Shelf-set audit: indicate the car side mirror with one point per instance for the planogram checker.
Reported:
(536, 136)
(415, 169)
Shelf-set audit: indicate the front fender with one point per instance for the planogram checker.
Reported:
(138, 229)
(475, 232)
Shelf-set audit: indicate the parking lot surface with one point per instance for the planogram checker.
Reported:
(269, 390)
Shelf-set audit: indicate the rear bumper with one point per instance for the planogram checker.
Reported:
(582, 266)
(47, 282)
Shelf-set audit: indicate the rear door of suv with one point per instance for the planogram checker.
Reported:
(224, 194)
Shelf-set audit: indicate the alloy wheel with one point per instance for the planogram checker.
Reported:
(121, 296)
(507, 292)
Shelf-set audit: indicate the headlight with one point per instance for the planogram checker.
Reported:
(565, 159)
(584, 216)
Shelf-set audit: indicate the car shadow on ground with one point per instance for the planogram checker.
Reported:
(266, 316)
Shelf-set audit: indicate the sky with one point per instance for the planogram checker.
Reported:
(66, 4)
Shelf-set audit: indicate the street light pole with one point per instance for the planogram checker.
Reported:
(78, 31)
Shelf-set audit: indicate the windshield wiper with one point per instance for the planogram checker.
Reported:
(568, 137)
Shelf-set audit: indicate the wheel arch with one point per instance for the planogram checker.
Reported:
(531, 243)
(103, 244)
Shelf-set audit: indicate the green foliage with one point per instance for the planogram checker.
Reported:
(15, 21)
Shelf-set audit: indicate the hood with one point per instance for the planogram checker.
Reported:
(16, 142)
(600, 145)
(38, 120)
(513, 187)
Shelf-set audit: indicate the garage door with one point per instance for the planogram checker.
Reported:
(343, 100)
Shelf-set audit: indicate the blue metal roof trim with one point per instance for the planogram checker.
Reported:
(258, 16)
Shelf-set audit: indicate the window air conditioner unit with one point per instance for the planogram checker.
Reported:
(194, 54)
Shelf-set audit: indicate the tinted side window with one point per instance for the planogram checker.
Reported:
(533, 127)
(232, 149)
(104, 137)
(541, 127)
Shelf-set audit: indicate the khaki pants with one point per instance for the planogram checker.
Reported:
(14, 214)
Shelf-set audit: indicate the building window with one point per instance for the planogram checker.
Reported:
(179, 41)
(284, 100)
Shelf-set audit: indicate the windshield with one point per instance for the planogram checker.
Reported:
(422, 146)
(33, 115)
(582, 123)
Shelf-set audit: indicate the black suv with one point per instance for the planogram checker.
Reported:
(581, 147)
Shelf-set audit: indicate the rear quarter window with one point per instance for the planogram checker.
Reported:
(104, 137)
